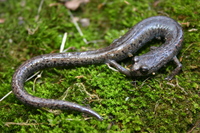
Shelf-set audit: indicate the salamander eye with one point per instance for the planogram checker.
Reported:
(144, 69)
(135, 59)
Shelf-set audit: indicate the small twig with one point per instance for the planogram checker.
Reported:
(53, 111)
(39, 10)
(177, 84)
(65, 50)
(193, 29)
(5, 96)
(34, 82)
(32, 76)
(80, 85)
(77, 26)
(30, 30)
(111, 67)
(173, 85)
(40, 6)
(62, 46)
(22, 124)
(91, 95)
(65, 93)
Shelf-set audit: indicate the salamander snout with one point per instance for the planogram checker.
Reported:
(138, 68)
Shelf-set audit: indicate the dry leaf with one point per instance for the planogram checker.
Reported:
(85, 22)
(74, 4)
(2, 20)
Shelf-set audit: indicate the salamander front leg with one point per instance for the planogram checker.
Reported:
(176, 70)
(120, 68)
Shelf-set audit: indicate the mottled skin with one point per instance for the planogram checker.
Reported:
(125, 46)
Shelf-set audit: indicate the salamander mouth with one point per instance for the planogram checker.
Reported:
(138, 73)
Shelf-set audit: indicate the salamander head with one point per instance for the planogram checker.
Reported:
(141, 67)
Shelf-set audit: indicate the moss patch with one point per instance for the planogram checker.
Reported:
(142, 105)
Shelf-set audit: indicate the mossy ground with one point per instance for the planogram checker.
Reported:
(142, 105)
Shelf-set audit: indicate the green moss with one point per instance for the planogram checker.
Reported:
(142, 105)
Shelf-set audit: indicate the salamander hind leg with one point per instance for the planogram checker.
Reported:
(176, 70)
(120, 68)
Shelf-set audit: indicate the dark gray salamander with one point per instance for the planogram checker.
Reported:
(125, 46)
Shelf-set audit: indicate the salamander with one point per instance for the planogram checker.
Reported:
(124, 47)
